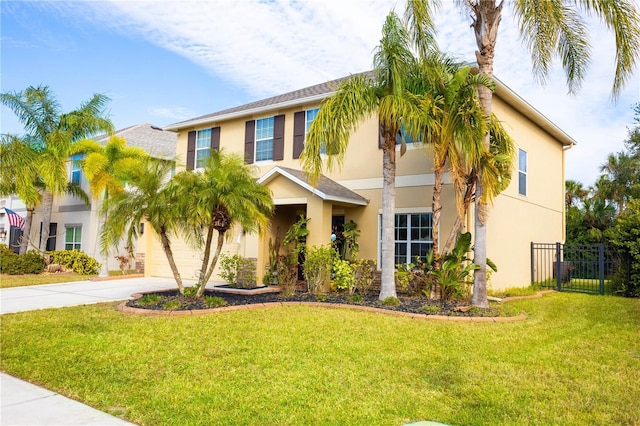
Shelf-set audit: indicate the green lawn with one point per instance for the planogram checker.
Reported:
(574, 361)
(7, 281)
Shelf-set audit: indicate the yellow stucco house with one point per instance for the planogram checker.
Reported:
(270, 134)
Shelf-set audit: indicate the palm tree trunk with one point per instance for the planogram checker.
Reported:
(485, 25)
(207, 254)
(436, 208)
(26, 232)
(166, 246)
(388, 285)
(47, 209)
(456, 230)
(214, 261)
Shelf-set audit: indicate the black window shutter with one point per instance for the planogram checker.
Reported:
(249, 140)
(215, 139)
(278, 137)
(298, 133)
(191, 150)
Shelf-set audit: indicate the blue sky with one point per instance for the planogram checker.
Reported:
(166, 61)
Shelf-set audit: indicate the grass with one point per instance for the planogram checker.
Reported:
(575, 361)
(7, 281)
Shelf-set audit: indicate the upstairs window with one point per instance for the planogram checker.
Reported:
(522, 172)
(73, 238)
(203, 147)
(310, 115)
(76, 169)
(264, 139)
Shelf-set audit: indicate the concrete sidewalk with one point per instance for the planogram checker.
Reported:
(23, 403)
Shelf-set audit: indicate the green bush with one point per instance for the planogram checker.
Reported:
(343, 275)
(363, 270)
(238, 271)
(79, 262)
(317, 267)
(625, 237)
(18, 264)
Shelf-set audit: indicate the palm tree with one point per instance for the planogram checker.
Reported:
(224, 194)
(574, 192)
(357, 98)
(54, 135)
(619, 180)
(149, 196)
(18, 176)
(108, 167)
(547, 28)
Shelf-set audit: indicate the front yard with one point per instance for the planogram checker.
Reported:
(575, 360)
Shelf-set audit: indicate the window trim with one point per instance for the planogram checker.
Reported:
(522, 172)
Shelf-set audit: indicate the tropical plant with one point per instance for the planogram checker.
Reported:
(357, 98)
(350, 234)
(547, 28)
(343, 275)
(54, 134)
(149, 196)
(574, 193)
(454, 275)
(108, 168)
(224, 193)
(620, 179)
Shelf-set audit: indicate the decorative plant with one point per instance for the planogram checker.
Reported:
(317, 267)
(238, 271)
(297, 235)
(343, 275)
(124, 262)
(350, 235)
(287, 273)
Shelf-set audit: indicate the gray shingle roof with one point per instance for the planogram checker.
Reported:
(325, 88)
(157, 142)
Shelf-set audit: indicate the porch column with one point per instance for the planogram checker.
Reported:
(319, 226)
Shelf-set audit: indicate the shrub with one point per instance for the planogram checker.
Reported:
(343, 275)
(149, 299)
(625, 237)
(215, 301)
(286, 273)
(391, 301)
(172, 305)
(18, 264)
(363, 272)
(79, 262)
(238, 271)
(317, 267)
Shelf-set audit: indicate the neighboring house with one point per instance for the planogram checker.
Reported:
(270, 134)
(75, 225)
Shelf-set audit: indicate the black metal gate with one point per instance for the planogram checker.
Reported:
(585, 268)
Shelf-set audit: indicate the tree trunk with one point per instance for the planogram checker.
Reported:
(207, 253)
(459, 223)
(26, 232)
(388, 284)
(204, 280)
(436, 207)
(485, 25)
(166, 246)
(47, 209)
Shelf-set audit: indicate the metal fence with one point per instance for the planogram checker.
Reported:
(585, 268)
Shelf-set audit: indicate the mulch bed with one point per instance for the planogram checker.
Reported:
(417, 305)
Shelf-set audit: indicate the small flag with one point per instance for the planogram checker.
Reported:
(14, 219)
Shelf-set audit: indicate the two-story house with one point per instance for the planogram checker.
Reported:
(270, 134)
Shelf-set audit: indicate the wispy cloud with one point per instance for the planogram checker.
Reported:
(269, 47)
(173, 113)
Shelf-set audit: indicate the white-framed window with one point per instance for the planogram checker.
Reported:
(203, 147)
(522, 172)
(264, 139)
(73, 238)
(413, 236)
(76, 168)
(309, 116)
